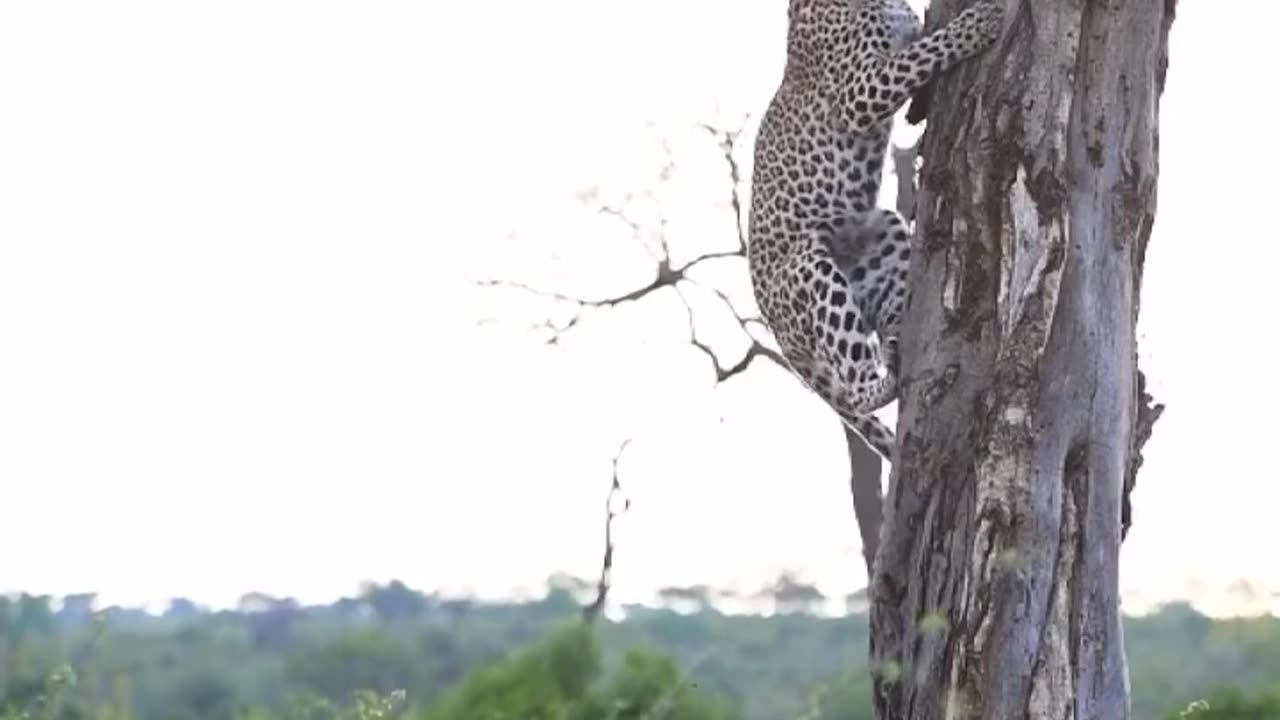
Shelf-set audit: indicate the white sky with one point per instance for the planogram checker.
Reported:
(239, 348)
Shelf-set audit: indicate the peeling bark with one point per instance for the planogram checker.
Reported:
(1148, 412)
(995, 593)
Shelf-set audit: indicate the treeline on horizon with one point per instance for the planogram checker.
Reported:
(393, 651)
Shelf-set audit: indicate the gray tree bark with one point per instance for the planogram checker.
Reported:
(865, 469)
(995, 591)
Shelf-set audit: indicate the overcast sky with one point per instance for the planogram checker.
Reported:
(240, 348)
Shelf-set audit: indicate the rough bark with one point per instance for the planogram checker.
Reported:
(995, 591)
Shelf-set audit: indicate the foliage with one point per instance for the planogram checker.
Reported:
(1231, 704)
(394, 653)
(540, 683)
(559, 679)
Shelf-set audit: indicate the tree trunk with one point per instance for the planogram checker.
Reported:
(995, 591)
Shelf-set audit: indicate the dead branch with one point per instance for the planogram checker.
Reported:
(727, 140)
(667, 274)
(864, 487)
(611, 513)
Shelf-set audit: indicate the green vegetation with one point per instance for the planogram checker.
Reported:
(396, 653)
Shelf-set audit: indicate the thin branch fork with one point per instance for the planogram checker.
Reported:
(668, 275)
(592, 611)
(728, 140)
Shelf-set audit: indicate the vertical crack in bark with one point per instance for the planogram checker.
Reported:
(1076, 485)
(1052, 681)
(1036, 242)
(1032, 252)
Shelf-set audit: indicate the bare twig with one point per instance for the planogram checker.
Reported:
(755, 350)
(592, 611)
(727, 140)
(604, 302)
(665, 273)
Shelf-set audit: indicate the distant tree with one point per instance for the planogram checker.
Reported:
(205, 691)
(270, 619)
(652, 686)
(255, 602)
(182, 609)
(791, 595)
(32, 615)
(77, 609)
(537, 683)
(580, 588)
(456, 608)
(8, 616)
(562, 678)
(340, 665)
(788, 666)
(351, 609)
(694, 598)
(394, 602)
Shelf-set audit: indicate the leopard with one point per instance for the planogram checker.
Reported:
(829, 269)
